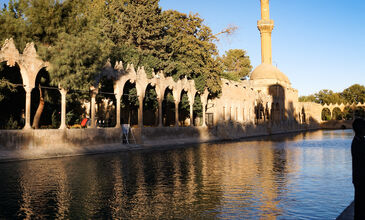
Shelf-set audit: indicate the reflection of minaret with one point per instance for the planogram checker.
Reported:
(265, 25)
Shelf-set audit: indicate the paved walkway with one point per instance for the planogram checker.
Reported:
(348, 213)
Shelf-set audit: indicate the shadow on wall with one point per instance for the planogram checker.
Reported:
(272, 116)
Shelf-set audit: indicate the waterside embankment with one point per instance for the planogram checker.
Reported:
(47, 143)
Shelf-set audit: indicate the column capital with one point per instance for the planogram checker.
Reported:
(28, 89)
(94, 91)
(265, 26)
(63, 91)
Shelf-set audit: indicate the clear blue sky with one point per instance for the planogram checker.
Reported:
(318, 44)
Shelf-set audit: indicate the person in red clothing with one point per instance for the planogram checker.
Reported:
(358, 167)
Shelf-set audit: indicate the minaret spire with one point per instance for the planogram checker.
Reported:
(265, 25)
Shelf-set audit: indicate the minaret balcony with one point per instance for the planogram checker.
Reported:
(265, 25)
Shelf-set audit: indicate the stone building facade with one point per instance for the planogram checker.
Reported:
(267, 98)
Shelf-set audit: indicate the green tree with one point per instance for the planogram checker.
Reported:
(190, 50)
(184, 108)
(198, 107)
(150, 100)
(326, 114)
(326, 96)
(309, 98)
(5, 84)
(337, 114)
(136, 29)
(12, 24)
(236, 64)
(354, 94)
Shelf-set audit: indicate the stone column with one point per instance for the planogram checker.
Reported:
(117, 121)
(140, 111)
(176, 113)
(28, 98)
(191, 115)
(160, 112)
(63, 108)
(92, 106)
(204, 105)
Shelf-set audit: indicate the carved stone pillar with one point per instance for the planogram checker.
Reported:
(176, 113)
(92, 106)
(140, 111)
(160, 112)
(191, 115)
(117, 122)
(204, 105)
(28, 98)
(63, 108)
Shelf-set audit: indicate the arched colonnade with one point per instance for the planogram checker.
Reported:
(30, 65)
(160, 83)
(335, 110)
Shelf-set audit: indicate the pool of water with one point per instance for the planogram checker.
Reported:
(301, 176)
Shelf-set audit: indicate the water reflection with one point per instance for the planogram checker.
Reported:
(282, 176)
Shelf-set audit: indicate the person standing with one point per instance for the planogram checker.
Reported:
(358, 167)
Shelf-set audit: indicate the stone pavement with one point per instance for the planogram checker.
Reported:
(348, 213)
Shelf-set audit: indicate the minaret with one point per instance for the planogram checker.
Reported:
(265, 25)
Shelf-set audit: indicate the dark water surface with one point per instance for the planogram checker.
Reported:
(305, 176)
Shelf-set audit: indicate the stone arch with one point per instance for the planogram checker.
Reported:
(267, 111)
(277, 93)
(184, 108)
(337, 114)
(150, 106)
(12, 105)
(168, 107)
(106, 103)
(348, 113)
(46, 102)
(259, 111)
(303, 116)
(129, 103)
(197, 110)
(326, 114)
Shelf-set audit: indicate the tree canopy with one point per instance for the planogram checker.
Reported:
(77, 37)
(236, 64)
(352, 94)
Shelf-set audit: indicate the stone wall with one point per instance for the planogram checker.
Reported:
(30, 144)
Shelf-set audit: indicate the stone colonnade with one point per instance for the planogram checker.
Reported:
(342, 108)
(30, 65)
(160, 84)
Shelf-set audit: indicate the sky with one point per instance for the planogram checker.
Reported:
(318, 44)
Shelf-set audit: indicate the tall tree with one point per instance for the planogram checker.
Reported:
(12, 24)
(236, 64)
(309, 98)
(136, 29)
(326, 96)
(354, 94)
(191, 51)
